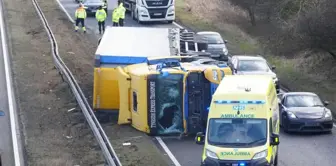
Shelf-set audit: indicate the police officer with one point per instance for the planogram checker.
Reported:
(80, 16)
(122, 11)
(115, 17)
(101, 17)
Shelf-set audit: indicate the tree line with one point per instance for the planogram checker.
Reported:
(301, 24)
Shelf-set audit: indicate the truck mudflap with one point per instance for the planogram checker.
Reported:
(197, 99)
(165, 104)
(124, 81)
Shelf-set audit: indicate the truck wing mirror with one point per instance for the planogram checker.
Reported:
(275, 139)
(199, 139)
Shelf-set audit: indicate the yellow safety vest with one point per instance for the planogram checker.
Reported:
(116, 15)
(122, 11)
(80, 13)
(101, 15)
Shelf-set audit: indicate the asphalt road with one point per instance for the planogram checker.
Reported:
(6, 148)
(295, 149)
(91, 23)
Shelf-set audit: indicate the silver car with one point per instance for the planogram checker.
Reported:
(253, 65)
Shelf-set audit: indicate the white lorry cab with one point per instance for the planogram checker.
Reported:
(151, 10)
(243, 123)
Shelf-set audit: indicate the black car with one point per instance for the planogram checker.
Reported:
(304, 112)
(215, 45)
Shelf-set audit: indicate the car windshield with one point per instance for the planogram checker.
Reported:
(213, 39)
(252, 65)
(93, 1)
(237, 132)
(303, 101)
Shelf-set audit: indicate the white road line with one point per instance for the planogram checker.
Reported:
(10, 93)
(169, 153)
(66, 12)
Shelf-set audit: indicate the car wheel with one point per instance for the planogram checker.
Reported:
(169, 22)
(284, 125)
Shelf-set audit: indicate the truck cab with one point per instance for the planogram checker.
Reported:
(243, 123)
(166, 96)
(151, 10)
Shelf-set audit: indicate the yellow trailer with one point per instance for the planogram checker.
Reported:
(122, 46)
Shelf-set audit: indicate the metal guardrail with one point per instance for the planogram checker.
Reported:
(105, 145)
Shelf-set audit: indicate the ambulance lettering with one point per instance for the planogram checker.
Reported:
(235, 153)
(237, 116)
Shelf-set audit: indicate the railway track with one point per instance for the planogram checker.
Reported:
(105, 145)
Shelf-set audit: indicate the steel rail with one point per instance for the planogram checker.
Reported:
(105, 145)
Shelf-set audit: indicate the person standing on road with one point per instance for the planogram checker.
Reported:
(122, 13)
(101, 17)
(115, 17)
(80, 16)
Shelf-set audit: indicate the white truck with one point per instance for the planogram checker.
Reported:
(151, 10)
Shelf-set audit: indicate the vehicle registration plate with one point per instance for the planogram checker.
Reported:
(93, 10)
(157, 14)
(215, 55)
(311, 124)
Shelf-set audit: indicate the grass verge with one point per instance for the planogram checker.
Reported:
(293, 73)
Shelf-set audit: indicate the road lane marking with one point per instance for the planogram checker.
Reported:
(169, 153)
(65, 11)
(10, 93)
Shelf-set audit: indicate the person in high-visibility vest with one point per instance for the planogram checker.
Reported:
(122, 12)
(101, 17)
(80, 16)
(115, 17)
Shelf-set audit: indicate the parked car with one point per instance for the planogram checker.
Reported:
(304, 112)
(253, 65)
(216, 44)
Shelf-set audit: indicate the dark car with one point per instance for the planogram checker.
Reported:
(304, 112)
(91, 6)
(216, 44)
(253, 65)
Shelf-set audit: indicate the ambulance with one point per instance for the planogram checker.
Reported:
(243, 123)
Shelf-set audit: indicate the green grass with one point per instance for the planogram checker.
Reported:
(290, 75)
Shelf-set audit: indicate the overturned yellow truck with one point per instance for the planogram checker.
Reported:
(159, 93)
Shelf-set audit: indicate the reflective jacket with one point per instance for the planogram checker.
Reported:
(122, 11)
(80, 13)
(116, 15)
(101, 15)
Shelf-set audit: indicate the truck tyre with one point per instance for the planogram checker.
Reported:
(132, 11)
(138, 19)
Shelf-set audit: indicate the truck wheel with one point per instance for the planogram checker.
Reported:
(138, 19)
(132, 12)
